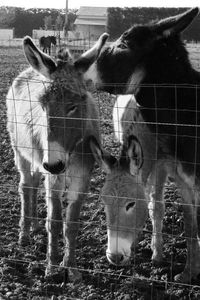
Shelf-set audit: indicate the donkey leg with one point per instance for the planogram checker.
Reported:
(26, 185)
(35, 183)
(74, 196)
(156, 211)
(192, 267)
(54, 188)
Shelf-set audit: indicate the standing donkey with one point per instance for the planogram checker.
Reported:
(132, 186)
(45, 43)
(51, 117)
(152, 62)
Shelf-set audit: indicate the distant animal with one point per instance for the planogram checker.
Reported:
(46, 42)
(151, 62)
(51, 118)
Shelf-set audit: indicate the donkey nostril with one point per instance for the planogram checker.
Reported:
(46, 166)
(61, 166)
(115, 258)
(54, 168)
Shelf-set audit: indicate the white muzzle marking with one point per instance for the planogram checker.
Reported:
(118, 245)
(133, 85)
(118, 112)
(54, 153)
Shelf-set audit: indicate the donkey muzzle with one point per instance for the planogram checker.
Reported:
(115, 258)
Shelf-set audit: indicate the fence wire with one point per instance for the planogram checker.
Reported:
(111, 219)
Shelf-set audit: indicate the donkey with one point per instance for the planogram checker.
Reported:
(131, 185)
(151, 62)
(45, 43)
(51, 117)
(123, 193)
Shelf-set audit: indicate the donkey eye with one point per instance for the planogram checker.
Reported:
(130, 205)
(122, 46)
(71, 110)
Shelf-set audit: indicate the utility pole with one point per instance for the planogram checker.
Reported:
(66, 21)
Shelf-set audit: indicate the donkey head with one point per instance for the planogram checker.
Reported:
(125, 61)
(53, 40)
(124, 199)
(64, 99)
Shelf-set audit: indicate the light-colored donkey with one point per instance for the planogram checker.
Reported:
(134, 184)
(51, 117)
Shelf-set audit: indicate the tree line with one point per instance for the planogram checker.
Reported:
(118, 19)
(25, 20)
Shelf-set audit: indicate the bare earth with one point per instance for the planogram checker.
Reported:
(22, 269)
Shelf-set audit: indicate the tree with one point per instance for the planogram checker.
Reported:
(48, 22)
(59, 23)
(71, 17)
(127, 17)
(7, 17)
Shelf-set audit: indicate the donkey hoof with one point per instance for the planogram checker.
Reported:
(36, 229)
(54, 274)
(24, 240)
(51, 269)
(156, 263)
(183, 277)
(74, 275)
(157, 260)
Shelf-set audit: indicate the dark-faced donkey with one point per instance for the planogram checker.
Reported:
(152, 62)
(134, 185)
(46, 42)
(51, 117)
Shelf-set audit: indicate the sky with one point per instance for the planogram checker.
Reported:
(107, 3)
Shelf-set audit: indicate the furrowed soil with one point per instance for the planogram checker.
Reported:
(22, 270)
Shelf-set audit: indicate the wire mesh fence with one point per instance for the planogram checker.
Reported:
(23, 267)
(75, 46)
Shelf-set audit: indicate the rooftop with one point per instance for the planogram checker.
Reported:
(92, 11)
(89, 22)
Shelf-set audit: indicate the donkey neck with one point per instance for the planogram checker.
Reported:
(168, 63)
(167, 69)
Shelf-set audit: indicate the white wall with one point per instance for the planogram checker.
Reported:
(6, 34)
(37, 33)
(14, 43)
(90, 32)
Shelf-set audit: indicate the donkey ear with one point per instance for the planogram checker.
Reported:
(135, 155)
(176, 24)
(103, 158)
(87, 58)
(40, 61)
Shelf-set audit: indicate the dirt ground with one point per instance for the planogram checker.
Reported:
(22, 269)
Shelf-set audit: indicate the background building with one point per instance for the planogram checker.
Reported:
(91, 22)
(6, 34)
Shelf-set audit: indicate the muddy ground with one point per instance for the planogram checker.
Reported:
(22, 269)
